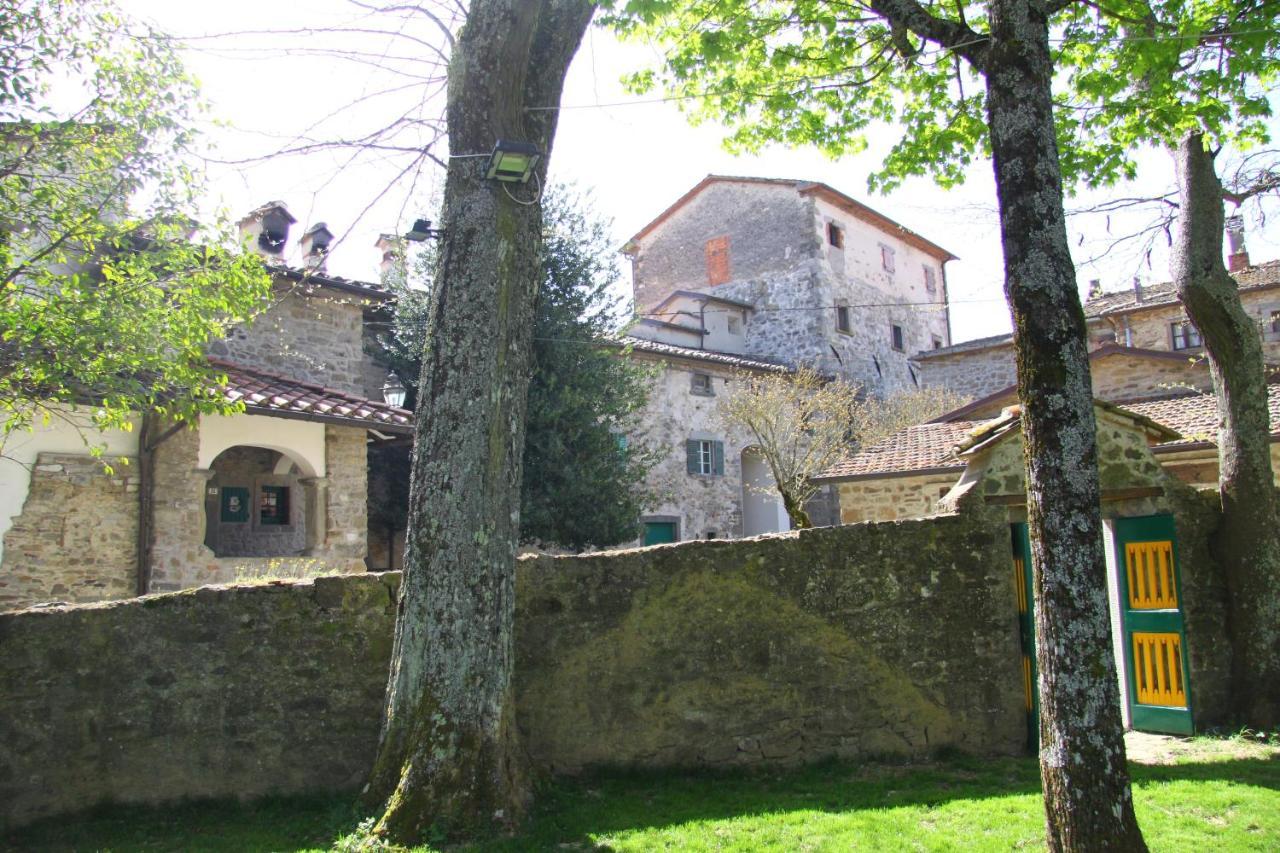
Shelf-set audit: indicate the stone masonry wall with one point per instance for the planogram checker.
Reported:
(76, 538)
(305, 336)
(891, 498)
(973, 373)
(768, 225)
(884, 639)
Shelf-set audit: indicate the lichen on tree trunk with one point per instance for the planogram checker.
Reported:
(448, 763)
(1248, 542)
(1088, 801)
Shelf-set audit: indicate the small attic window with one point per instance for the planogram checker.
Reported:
(835, 235)
(887, 258)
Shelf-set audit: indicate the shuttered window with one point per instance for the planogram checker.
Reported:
(704, 456)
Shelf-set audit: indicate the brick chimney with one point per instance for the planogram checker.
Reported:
(315, 246)
(391, 247)
(1238, 255)
(1137, 290)
(266, 229)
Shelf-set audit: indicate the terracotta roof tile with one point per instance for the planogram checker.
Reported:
(274, 394)
(725, 358)
(1164, 293)
(919, 448)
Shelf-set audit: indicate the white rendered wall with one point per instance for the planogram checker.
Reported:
(66, 432)
(301, 441)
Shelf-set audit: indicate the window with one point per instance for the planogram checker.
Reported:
(235, 505)
(660, 530)
(700, 384)
(717, 251)
(896, 337)
(937, 342)
(842, 319)
(835, 235)
(1185, 335)
(886, 258)
(1273, 324)
(735, 325)
(705, 456)
(930, 279)
(273, 505)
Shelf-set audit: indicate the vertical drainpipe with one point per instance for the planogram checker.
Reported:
(146, 494)
(946, 302)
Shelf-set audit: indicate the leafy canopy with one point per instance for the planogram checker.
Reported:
(107, 303)
(820, 73)
(582, 476)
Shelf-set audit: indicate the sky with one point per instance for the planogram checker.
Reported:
(269, 79)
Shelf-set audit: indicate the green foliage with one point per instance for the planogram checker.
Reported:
(105, 300)
(815, 72)
(582, 478)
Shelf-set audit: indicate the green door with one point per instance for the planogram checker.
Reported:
(1155, 650)
(657, 532)
(1027, 628)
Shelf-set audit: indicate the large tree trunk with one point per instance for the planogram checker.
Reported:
(1248, 542)
(1088, 802)
(448, 765)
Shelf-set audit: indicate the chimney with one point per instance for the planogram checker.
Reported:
(315, 246)
(266, 229)
(1238, 257)
(1137, 290)
(391, 267)
(1095, 289)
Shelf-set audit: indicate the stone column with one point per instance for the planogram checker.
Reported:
(316, 514)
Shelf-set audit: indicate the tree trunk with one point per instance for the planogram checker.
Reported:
(448, 765)
(1088, 802)
(796, 512)
(1247, 543)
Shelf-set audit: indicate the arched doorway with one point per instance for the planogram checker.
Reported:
(257, 504)
(762, 510)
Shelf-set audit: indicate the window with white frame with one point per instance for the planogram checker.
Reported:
(705, 456)
(1184, 335)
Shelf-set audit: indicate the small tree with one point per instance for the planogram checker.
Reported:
(104, 299)
(804, 422)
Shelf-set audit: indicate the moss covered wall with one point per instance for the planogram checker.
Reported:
(895, 638)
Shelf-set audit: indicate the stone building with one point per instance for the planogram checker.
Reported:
(756, 274)
(279, 487)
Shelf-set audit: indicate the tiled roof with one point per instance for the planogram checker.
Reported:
(1164, 293)
(313, 278)
(916, 449)
(277, 395)
(726, 358)
(1195, 415)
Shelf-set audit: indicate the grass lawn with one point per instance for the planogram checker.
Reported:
(1211, 795)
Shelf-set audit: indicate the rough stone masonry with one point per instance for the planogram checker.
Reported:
(874, 639)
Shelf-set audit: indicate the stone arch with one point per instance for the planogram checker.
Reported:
(257, 504)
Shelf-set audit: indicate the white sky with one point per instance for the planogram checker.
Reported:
(635, 158)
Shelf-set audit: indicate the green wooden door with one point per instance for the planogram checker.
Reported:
(657, 532)
(1155, 651)
(1025, 602)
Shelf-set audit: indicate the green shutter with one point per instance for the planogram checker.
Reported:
(691, 455)
(717, 451)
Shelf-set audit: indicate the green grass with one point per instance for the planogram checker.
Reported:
(1218, 802)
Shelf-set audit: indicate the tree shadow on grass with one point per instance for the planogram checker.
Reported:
(570, 813)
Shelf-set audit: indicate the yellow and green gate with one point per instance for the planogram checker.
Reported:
(1155, 649)
(1155, 653)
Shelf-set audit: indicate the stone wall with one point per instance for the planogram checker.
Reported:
(769, 227)
(76, 537)
(889, 639)
(305, 335)
(891, 498)
(970, 373)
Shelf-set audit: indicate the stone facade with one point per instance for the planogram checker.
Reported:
(868, 640)
(834, 284)
(308, 335)
(971, 373)
(891, 498)
(77, 536)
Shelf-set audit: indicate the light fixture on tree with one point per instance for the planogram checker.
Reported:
(422, 230)
(393, 390)
(513, 162)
